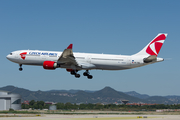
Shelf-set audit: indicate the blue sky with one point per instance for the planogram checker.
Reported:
(93, 26)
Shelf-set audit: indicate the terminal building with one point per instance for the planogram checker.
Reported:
(9, 100)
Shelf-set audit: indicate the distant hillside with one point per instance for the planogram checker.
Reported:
(135, 94)
(159, 100)
(106, 95)
(110, 95)
(70, 91)
(156, 99)
(174, 98)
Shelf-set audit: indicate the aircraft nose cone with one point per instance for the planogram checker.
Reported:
(7, 57)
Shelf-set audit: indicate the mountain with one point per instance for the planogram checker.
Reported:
(174, 98)
(106, 95)
(23, 92)
(109, 95)
(159, 100)
(156, 99)
(135, 94)
(70, 91)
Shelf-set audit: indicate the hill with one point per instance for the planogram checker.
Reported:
(135, 94)
(106, 95)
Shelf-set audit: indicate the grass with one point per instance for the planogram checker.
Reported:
(87, 112)
(19, 112)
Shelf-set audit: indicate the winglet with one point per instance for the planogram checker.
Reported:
(70, 46)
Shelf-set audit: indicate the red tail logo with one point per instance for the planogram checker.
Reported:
(23, 55)
(155, 46)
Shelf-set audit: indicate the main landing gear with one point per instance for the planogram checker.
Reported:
(75, 74)
(87, 74)
(20, 69)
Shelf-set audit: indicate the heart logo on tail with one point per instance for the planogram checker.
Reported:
(155, 46)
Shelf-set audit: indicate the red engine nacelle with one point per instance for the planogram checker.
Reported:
(50, 65)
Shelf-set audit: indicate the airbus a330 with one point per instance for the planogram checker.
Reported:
(74, 62)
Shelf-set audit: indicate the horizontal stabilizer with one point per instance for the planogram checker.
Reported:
(150, 59)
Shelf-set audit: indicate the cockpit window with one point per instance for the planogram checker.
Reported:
(10, 53)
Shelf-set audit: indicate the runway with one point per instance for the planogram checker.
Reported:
(91, 117)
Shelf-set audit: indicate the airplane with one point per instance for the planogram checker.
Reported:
(74, 61)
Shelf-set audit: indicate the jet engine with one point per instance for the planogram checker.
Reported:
(50, 65)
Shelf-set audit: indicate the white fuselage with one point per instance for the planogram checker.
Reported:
(88, 61)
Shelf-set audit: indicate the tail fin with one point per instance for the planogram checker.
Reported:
(154, 46)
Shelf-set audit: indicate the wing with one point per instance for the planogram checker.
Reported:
(67, 57)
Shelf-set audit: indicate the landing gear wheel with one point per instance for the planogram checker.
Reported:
(20, 69)
(77, 75)
(89, 76)
(85, 74)
(73, 73)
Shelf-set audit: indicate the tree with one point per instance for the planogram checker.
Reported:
(68, 105)
(40, 104)
(99, 106)
(35, 106)
(90, 106)
(60, 105)
(32, 102)
(82, 106)
(25, 106)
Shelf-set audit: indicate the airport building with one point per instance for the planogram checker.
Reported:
(9, 100)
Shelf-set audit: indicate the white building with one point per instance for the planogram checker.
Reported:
(9, 100)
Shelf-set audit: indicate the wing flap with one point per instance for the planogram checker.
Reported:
(86, 65)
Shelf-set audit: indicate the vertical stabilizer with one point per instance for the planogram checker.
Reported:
(154, 46)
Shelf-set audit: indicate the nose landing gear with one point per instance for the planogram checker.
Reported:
(20, 69)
